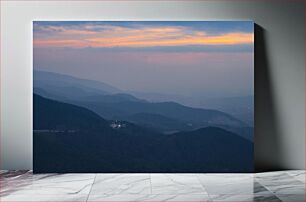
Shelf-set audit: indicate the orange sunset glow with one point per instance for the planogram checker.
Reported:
(112, 36)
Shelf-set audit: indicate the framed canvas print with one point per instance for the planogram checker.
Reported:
(143, 96)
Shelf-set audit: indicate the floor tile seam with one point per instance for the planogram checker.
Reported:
(151, 186)
(204, 187)
(91, 187)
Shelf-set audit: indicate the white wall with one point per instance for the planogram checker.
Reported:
(280, 133)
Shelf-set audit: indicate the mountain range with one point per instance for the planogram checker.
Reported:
(112, 103)
(71, 138)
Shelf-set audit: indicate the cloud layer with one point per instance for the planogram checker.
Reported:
(109, 35)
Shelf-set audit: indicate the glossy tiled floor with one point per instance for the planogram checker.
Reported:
(272, 186)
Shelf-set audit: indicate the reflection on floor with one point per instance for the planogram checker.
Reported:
(272, 186)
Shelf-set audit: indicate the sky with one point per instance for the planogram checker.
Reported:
(213, 58)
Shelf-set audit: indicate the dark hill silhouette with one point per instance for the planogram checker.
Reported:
(97, 147)
(215, 143)
(50, 114)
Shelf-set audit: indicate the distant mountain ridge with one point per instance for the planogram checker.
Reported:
(241, 107)
(158, 122)
(43, 79)
(111, 103)
(169, 109)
